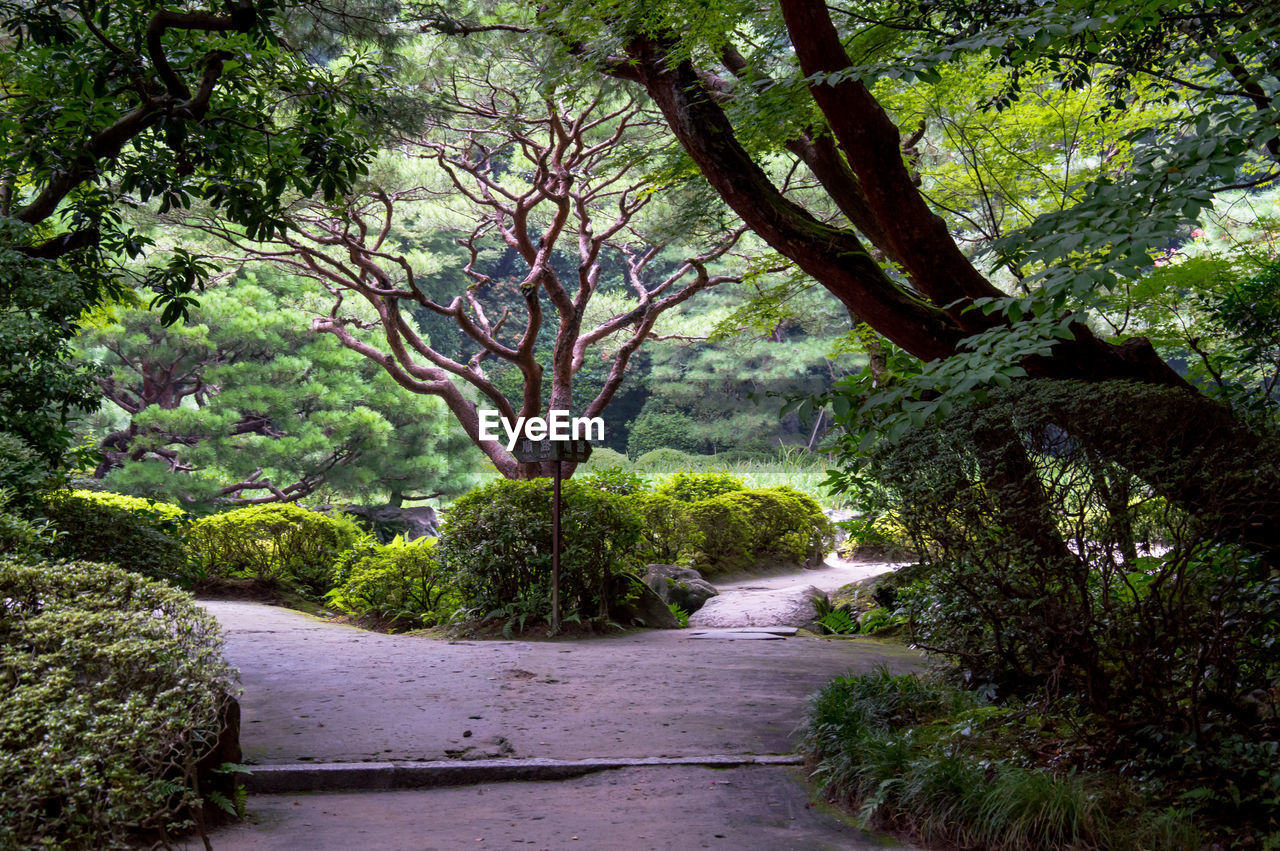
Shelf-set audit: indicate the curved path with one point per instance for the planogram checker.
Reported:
(319, 692)
(780, 599)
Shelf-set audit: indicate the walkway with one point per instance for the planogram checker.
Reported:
(323, 693)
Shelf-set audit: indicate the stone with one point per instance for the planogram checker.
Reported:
(386, 521)
(680, 585)
(648, 609)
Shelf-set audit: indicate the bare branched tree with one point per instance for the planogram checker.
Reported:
(551, 185)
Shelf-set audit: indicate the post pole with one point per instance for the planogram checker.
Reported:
(555, 554)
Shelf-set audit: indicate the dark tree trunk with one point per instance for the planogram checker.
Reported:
(1202, 457)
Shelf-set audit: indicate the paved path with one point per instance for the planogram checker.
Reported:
(781, 598)
(318, 692)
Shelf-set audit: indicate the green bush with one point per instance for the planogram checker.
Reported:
(619, 480)
(663, 458)
(23, 473)
(601, 457)
(23, 537)
(740, 529)
(875, 536)
(401, 582)
(496, 540)
(114, 692)
(654, 429)
(137, 534)
(665, 529)
(279, 542)
(693, 486)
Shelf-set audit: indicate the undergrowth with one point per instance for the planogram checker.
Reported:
(918, 756)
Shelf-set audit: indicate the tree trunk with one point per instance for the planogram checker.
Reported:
(1201, 457)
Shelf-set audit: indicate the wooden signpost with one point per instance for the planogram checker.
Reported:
(535, 452)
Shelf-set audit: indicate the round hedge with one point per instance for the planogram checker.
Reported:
(114, 691)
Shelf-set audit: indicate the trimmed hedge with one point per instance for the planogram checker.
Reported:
(139, 535)
(737, 530)
(115, 690)
(282, 542)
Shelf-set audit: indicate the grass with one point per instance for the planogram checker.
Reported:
(792, 466)
(916, 756)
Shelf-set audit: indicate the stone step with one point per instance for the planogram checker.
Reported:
(744, 633)
(331, 776)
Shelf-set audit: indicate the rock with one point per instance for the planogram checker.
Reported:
(648, 609)
(387, 521)
(680, 585)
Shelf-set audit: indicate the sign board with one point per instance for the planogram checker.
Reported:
(532, 451)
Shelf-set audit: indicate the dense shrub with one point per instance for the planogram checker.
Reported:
(875, 536)
(656, 429)
(114, 691)
(918, 755)
(401, 582)
(664, 524)
(601, 457)
(279, 542)
(692, 486)
(740, 529)
(617, 480)
(663, 458)
(1054, 577)
(137, 534)
(23, 473)
(497, 542)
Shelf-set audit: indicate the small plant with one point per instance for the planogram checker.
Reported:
(838, 622)
(401, 582)
(681, 616)
(834, 619)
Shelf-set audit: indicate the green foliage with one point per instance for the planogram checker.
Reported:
(115, 689)
(42, 384)
(921, 756)
(664, 525)
(21, 536)
(681, 616)
(874, 536)
(23, 473)
(279, 542)
(497, 542)
(1052, 576)
(661, 458)
(656, 429)
(139, 535)
(617, 479)
(401, 582)
(741, 529)
(243, 398)
(691, 486)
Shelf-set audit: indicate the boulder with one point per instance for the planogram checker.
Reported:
(648, 609)
(387, 521)
(680, 585)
